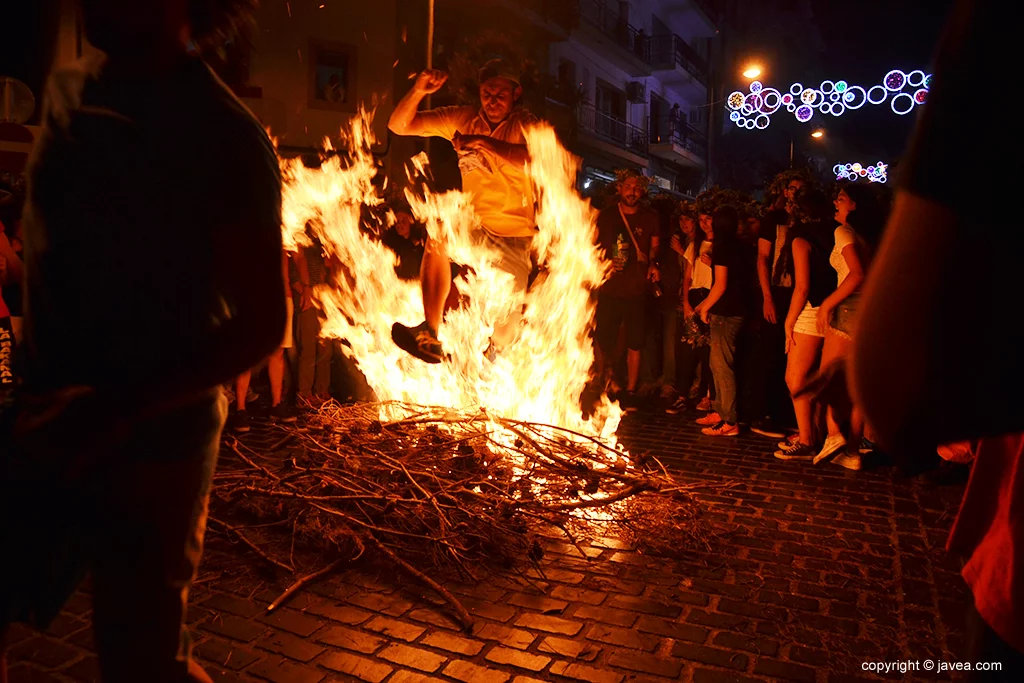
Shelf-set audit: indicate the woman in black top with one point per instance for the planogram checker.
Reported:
(813, 281)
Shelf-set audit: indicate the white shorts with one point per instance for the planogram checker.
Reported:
(288, 337)
(807, 323)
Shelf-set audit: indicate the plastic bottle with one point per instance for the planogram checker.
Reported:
(621, 249)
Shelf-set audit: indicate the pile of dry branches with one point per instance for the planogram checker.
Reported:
(439, 491)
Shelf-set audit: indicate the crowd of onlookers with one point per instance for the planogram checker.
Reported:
(730, 307)
(725, 307)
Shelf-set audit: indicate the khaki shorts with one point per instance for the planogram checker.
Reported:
(515, 255)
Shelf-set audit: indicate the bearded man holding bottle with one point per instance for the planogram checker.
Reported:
(628, 234)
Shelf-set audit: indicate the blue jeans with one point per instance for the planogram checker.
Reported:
(724, 331)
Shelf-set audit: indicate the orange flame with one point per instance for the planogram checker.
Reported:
(541, 375)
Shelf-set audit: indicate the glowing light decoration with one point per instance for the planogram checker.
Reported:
(902, 90)
(895, 80)
(902, 103)
(771, 99)
(855, 97)
(876, 173)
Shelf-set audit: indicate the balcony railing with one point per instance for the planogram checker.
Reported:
(615, 27)
(671, 51)
(682, 134)
(612, 129)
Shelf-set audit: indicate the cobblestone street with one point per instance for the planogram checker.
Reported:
(812, 571)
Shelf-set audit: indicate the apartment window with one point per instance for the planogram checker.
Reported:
(332, 76)
(609, 100)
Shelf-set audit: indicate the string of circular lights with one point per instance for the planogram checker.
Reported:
(903, 91)
(876, 173)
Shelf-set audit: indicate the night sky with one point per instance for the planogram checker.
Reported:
(863, 40)
(859, 41)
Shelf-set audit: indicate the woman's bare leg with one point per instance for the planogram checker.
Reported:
(800, 365)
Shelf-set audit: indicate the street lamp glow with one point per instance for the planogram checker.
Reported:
(818, 134)
(752, 71)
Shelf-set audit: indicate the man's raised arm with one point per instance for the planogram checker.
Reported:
(406, 119)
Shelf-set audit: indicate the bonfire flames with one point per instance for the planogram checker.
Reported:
(540, 376)
(459, 465)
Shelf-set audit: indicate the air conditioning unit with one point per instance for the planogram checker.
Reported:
(636, 92)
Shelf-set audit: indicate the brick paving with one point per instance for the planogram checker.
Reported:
(811, 571)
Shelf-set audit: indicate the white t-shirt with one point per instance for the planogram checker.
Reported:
(702, 274)
(845, 236)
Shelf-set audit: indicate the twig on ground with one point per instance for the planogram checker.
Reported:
(244, 539)
(302, 581)
(460, 609)
(442, 493)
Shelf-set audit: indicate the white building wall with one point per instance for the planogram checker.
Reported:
(682, 18)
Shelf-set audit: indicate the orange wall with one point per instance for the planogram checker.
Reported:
(280, 62)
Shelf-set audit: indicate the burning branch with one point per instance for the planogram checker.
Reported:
(436, 491)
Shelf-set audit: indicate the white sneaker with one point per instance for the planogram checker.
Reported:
(832, 444)
(848, 460)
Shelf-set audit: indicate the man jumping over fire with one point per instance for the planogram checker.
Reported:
(492, 153)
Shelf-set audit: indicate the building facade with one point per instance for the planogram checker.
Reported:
(642, 71)
(626, 84)
(311, 64)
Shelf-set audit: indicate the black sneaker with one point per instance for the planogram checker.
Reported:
(628, 401)
(765, 427)
(797, 451)
(420, 341)
(677, 406)
(240, 422)
(282, 412)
